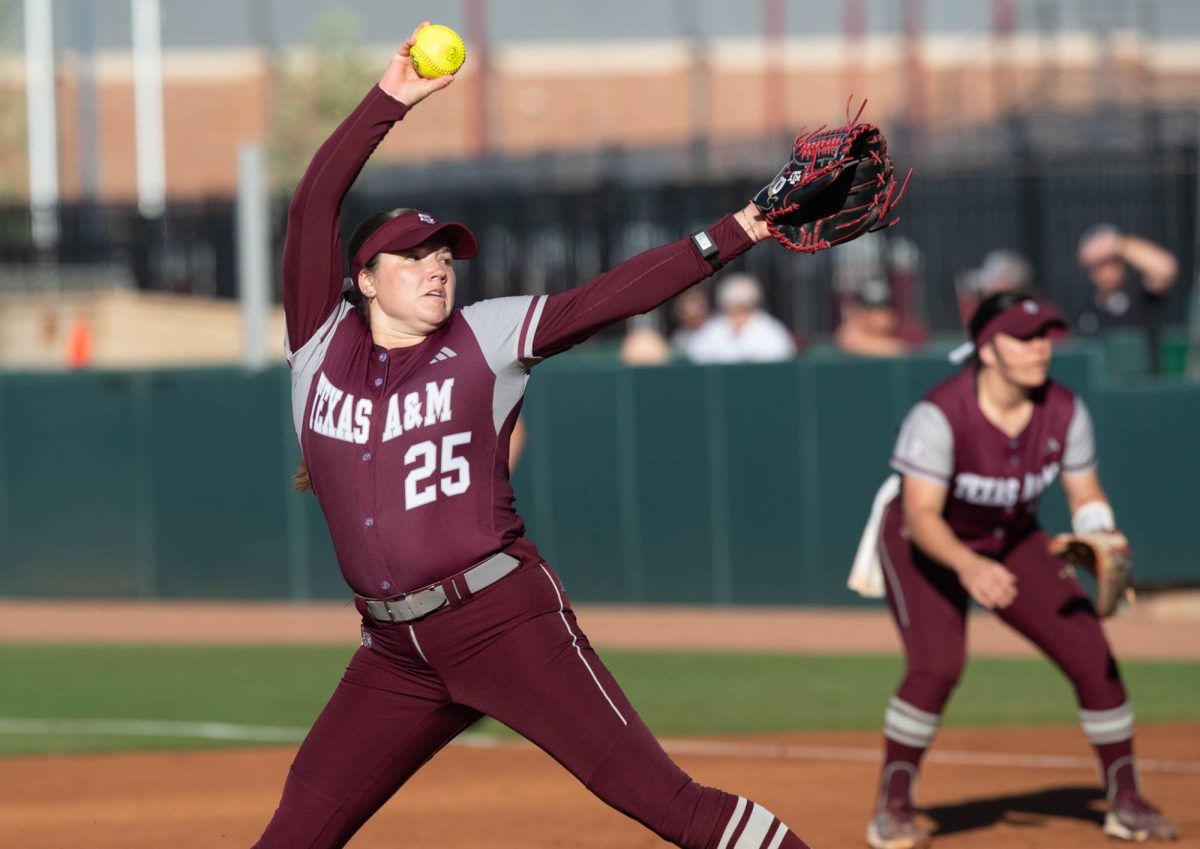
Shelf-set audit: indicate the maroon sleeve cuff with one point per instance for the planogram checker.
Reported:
(731, 238)
(382, 105)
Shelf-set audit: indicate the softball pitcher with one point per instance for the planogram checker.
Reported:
(404, 407)
(974, 457)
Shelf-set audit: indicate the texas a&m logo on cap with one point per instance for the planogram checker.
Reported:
(426, 217)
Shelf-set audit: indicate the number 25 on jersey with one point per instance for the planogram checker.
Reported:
(452, 473)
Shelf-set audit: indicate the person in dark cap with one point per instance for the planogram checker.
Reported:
(870, 325)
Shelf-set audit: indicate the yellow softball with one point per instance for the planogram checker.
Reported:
(439, 51)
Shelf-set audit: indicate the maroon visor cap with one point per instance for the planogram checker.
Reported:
(409, 230)
(1023, 320)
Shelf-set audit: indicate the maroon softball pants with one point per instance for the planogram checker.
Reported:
(1052, 610)
(514, 652)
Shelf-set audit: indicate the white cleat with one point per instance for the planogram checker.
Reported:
(895, 828)
(1133, 818)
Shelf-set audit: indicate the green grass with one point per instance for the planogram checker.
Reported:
(677, 693)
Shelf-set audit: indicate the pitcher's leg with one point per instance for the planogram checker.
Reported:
(375, 732)
(560, 696)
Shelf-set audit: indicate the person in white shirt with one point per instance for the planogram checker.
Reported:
(742, 331)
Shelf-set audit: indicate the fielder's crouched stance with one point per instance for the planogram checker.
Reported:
(404, 407)
(974, 456)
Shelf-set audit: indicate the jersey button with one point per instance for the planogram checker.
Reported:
(369, 521)
(379, 381)
(999, 532)
(367, 457)
(383, 357)
(1014, 461)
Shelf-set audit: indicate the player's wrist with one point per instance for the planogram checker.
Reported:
(968, 563)
(751, 219)
(1092, 517)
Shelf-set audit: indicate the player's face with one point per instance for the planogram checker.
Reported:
(416, 287)
(1023, 362)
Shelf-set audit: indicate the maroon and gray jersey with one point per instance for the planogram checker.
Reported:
(408, 447)
(993, 481)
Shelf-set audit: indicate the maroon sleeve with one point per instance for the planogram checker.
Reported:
(312, 253)
(635, 286)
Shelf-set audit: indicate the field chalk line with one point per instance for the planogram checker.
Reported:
(703, 748)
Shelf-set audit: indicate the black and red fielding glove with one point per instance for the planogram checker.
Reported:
(837, 185)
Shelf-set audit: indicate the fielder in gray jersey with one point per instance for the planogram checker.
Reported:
(975, 456)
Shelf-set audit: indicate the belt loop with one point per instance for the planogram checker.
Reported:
(456, 590)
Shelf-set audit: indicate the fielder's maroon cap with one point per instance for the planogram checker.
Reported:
(1023, 320)
(409, 230)
(1016, 314)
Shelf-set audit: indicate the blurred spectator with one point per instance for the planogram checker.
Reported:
(1004, 270)
(643, 345)
(870, 325)
(691, 310)
(1131, 278)
(741, 331)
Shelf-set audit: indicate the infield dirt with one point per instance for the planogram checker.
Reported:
(993, 788)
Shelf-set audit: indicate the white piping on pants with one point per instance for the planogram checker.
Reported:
(412, 633)
(578, 650)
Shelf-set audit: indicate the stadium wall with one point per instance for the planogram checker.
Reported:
(677, 484)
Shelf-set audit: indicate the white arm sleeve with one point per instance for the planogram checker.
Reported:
(1079, 455)
(925, 447)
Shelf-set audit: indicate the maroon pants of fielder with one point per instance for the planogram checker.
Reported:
(1051, 609)
(514, 652)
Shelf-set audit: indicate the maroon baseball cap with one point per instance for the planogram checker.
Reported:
(409, 230)
(1017, 314)
(1023, 320)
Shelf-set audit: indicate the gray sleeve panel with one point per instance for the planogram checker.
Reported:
(308, 359)
(925, 446)
(510, 388)
(1080, 452)
(497, 325)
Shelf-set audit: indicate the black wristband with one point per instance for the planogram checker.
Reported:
(707, 246)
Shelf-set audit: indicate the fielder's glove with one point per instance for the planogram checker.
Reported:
(837, 185)
(1106, 555)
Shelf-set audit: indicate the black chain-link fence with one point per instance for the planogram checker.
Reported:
(546, 224)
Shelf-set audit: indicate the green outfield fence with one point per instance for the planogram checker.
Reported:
(727, 485)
